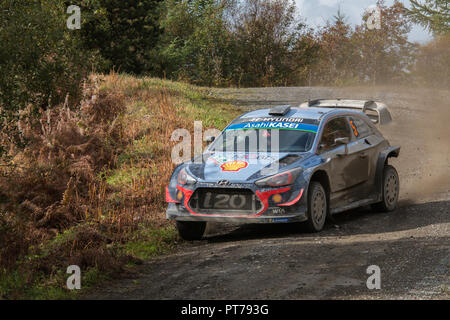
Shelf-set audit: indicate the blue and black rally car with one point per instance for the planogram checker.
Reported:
(288, 164)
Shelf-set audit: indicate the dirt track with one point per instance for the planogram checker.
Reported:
(410, 245)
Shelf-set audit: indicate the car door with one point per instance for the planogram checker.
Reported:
(359, 151)
(367, 146)
(341, 171)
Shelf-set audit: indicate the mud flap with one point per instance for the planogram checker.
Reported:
(384, 155)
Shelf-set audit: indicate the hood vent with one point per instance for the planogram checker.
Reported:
(291, 158)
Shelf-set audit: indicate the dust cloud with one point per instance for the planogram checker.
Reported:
(421, 127)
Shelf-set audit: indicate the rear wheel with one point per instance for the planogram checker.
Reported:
(191, 230)
(317, 207)
(390, 190)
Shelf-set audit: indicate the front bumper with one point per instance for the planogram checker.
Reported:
(292, 210)
(173, 214)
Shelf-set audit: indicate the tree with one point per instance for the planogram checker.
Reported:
(337, 57)
(431, 14)
(124, 32)
(385, 55)
(433, 63)
(40, 59)
(303, 59)
(197, 45)
(266, 33)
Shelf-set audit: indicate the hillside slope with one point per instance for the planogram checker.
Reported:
(89, 188)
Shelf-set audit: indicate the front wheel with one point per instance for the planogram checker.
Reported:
(317, 207)
(390, 190)
(191, 230)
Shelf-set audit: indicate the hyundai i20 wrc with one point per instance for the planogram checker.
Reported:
(288, 164)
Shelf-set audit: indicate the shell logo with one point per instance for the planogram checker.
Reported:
(234, 165)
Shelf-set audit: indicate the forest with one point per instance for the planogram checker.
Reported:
(86, 113)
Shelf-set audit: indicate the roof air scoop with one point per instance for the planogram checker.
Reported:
(279, 110)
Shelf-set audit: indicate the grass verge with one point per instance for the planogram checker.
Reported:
(88, 189)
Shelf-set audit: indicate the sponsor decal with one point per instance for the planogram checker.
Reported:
(234, 165)
(278, 211)
(231, 185)
(299, 120)
(219, 159)
(279, 119)
(213, 160)
(274, 125)
(278, 220)
(355, 131)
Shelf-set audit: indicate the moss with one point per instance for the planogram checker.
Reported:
(151, 242)
(15, 285)
(125, 176)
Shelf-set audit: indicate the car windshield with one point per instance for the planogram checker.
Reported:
(263, 137)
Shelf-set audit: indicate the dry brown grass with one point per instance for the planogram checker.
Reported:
(57, 201)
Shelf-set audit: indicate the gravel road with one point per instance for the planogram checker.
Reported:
(410, 245)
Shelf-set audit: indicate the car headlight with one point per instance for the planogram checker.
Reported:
(280, 179)
(184, 178)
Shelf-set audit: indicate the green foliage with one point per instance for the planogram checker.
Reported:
(125, 32)
(270, 40)
(432, 14)
(151, 242)
(40, 58)
(249, 43)
(197, 45)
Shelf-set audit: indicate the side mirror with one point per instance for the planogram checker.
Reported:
(342, 140)
(345, 141)
(210, 139)
(321, 147)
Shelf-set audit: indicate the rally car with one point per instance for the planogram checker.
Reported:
(288, 164)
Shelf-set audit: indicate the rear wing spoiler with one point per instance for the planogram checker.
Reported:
(376, 111)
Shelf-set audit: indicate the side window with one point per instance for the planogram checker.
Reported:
(336, 128)
(359, 127)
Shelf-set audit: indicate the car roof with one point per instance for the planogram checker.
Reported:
(297, 112)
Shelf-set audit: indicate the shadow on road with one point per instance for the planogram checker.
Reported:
(353, 222)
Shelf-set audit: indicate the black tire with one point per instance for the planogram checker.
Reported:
(390, 190)
(191, 230)
(317, 207)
